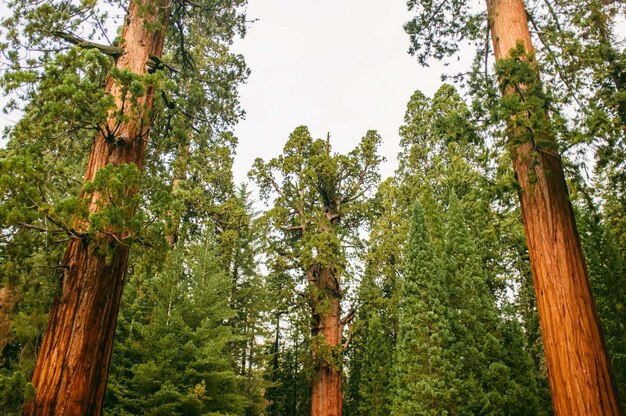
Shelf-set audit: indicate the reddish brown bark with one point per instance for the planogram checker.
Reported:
(326, 397)
(578, 367)
(72, 365)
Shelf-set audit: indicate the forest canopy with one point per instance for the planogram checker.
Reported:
(485, 276)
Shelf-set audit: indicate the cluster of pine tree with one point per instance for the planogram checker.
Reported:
(485, 277)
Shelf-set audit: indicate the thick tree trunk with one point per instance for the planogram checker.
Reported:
(578, 367)
(326, 398)
(72, 366)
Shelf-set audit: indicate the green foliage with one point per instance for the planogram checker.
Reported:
(420, 367)
(171, 354)
(525, 104)
(113, 185)
(439, 28)
(319, 206)
(14, 388)
(455, 355)
(374, 387)
(60, 89)
(464, 294)
(288, 392)
(577, 50)
(318, 196)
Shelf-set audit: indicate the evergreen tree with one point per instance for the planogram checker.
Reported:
(38, 188)
(174, 340)
(455, 354)
(66, 107)
(319, 201)
(554, 246)
(289, 393)
(374, 386)
(375, 326)
(421, 368)
(491, 361)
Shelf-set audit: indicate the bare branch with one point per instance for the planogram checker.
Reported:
(348, 338)
(349, 317)
(112, 51)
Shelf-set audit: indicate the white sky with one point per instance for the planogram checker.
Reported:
(336, 66)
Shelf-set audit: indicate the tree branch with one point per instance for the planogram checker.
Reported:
(348, 339)
(349, 317)
(112, 51)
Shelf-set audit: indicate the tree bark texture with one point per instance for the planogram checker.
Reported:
(579, 371)
(326, 397)
(72, 366)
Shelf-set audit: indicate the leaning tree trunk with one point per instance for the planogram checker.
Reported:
(326, 398)
(580, 376)
(72, 365)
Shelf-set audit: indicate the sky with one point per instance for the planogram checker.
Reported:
(338, 67)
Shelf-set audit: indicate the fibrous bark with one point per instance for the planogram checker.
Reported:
(326, 397)
(72, 366)
(579, 370)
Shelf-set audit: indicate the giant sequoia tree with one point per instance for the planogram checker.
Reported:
(68, 108)
(197, 101)
(318, 205)
(71, 371)
(579, 369)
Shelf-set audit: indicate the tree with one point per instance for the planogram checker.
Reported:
(38, 188)
(318, 204)
(558, 267)
(420, 367)
(82, 320)
(559, 270)
(288, 393)
(374, 328)
(455, 354)
(200, 96)
(172, 354)
(374, 387)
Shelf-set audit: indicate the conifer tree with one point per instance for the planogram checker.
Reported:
(492, 364)
(202, 73)
(172, 355)
(558, 266)
(318, 204)
(421, 369)
(374, 386)
(374, 329)
(82, 320)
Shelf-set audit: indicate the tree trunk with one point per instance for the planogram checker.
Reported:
(71, 370)
(9, 297)
(580, 376)
(180, 175)
(326, 399)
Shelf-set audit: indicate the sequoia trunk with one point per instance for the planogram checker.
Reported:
(326, 399)
(580, 376)
(72, 366)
